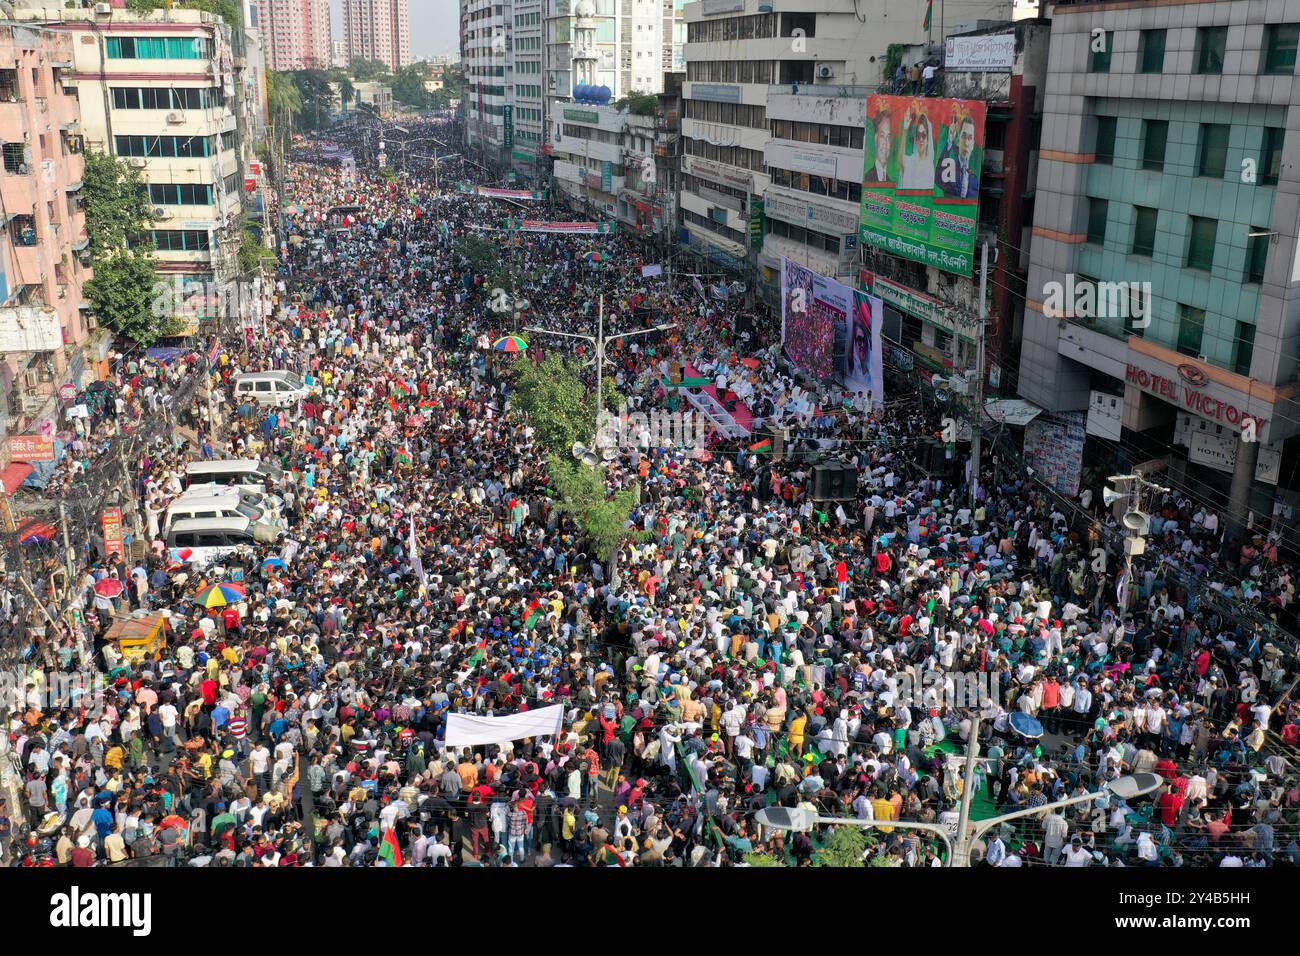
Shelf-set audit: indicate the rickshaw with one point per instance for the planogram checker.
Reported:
(141, 638)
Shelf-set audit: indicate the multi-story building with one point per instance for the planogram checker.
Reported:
(378, 30)
(1170, 159)
(339, 54)
(525, 87)
(737, 53)
(624, 45)
(486, 53)
(43, 326)
(159, 91)
(295, 33)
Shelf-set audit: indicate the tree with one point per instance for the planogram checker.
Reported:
(229, 10)
(762, 860)
(408, 88)
(639, 104)
(844, 848)
(117, 203)
(556, 402)
(125, 296)
(366, 70)
(315, 97)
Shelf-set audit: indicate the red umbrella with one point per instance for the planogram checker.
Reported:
(108, 588)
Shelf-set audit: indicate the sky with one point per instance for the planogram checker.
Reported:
(434, 26)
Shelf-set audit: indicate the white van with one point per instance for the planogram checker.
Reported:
(246, 474)
(223, 504)
(269, 388)
(201, 541)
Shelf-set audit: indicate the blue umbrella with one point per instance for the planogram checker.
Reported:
(277, 563)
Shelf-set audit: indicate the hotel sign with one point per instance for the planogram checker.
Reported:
(1182, 392)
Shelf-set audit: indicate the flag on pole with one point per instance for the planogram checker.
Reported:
(534, 615)
(400, 389)
(929, 10)
(417, 564)
(763, 447)
(480, 652)
(389, 849)
(404, 457)
(392, 403)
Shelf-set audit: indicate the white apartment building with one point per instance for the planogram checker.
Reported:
(160, 91)
(486, 54)
(526, 83)
(754, 64)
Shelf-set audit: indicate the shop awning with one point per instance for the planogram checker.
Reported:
(14, 475)
(1011, 411)
(73, 187)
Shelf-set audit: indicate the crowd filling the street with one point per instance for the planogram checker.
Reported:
(354, 623)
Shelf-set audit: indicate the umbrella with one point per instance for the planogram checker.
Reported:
(277, 563)
(36, 532)
(510, 343)
(595, 257)
(108, 588)
(179, 822)
(219, 595)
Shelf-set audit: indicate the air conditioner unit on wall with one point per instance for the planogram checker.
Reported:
(161, 212)
(825, 71)
(103, 9)
(175, 118)
(138, 162)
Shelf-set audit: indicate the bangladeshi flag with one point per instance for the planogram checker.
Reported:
(762, 447)
(534, 615)
(389, 849)
(403, 457)
(399, 389)
(480, 652)
(428, 403)
(392, 403)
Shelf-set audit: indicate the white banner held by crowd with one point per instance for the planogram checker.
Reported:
(469, 730)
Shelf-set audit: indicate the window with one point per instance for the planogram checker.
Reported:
(1271, 155)
(1097, 209)
(1245, 348)
(1211, 42)
(179, 240)
(1191, 329)
(1104, 151)
(1200, 242)
(159, 48)
(228, 140)
(1154, 135)
(180, 194)
(15, 157)
(1144, 230)
(169, 147)
(1213, 150)
(1151, 51)
(1099, 59)
(1279, 48)
(1257, 253)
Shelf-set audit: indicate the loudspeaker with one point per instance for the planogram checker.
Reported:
(834, 481)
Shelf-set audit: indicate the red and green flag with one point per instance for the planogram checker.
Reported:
(763, 447)
(399, 389)
(929, 11)
(389, 849)
(534, 615)
(480, 652)
(392, 403)
(403, 457)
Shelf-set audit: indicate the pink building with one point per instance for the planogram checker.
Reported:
(295, 33)
(46, 340)
(378, 30)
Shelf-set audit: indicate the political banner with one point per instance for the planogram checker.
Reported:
(863, 368)
(1054, 447)
(813, 308)
(561, 228)
(471, 730)
(920, 184)
(526, 195)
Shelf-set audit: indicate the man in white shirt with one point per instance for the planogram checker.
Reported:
(1077, 854)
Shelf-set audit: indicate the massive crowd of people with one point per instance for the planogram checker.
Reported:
(750, 647)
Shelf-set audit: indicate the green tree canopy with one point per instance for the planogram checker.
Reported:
(128, 298)
(366, 70)
(117, 203)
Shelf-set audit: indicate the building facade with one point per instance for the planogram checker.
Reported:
(160, 92)
(525, 88)
(1170, 164)
(378, 30)
(295, 34)
(44, 329)
(486, 54)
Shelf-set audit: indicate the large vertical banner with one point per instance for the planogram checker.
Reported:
(921, 178)
(1054, 446)
(111, 522)
(813, 308)
(863, 369)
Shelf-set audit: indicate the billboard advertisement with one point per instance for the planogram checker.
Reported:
(863, 369)
(920, 181)
(814, 309)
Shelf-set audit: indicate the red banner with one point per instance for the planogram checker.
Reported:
(31, 448)
(111, 521)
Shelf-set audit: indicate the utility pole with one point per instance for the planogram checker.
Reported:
(961, 851)
(977, 416)
(1136, 522)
